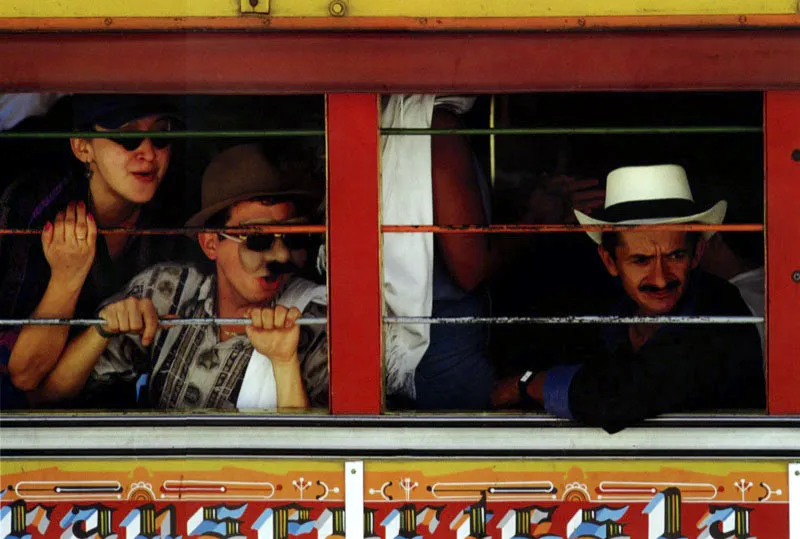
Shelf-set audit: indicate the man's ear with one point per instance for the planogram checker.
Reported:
(608, 260)
(699, 249)
(82, 149)
(208, 243)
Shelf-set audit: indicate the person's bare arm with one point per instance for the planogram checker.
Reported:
(130, 315)
(274, 334)
(457, 201)
(506, 392)
(69, 248)
(73, 369)
(289, 382)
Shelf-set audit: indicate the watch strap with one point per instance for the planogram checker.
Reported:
(522, 384)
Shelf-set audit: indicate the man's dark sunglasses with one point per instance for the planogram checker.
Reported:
(264, 242)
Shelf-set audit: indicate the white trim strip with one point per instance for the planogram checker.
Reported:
(354, 499)
(794, 500)
(396, 440)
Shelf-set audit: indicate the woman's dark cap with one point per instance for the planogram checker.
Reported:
(112, 111)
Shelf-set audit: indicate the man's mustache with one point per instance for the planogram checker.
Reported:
(671, 285)
(279, 268)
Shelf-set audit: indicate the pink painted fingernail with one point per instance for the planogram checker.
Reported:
(48, 225)
(81, 204)
(90, 217)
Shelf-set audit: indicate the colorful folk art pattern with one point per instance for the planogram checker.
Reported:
(403, 500)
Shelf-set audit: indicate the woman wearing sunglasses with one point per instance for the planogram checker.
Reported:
(67, 272)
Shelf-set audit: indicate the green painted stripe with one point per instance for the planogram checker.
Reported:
(163, 134)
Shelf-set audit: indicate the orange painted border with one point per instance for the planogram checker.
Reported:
(419, 62)
(266, 22)
(354, 254)
(782, 124)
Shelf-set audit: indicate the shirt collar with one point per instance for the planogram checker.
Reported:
(206, 295)
(616, 335)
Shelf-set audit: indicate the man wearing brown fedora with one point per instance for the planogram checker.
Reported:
(635, 371)
(133, 360)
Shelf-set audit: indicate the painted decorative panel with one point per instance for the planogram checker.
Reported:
(537, 499)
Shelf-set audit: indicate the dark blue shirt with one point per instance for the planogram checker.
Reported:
(680, 368)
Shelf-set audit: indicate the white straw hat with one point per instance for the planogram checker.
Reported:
(658, 194)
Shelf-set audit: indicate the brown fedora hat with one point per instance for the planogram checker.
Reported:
(242, 173)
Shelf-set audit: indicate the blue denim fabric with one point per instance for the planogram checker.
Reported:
(455, 372)
(556, 389)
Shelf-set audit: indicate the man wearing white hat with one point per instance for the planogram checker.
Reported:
(641, 370)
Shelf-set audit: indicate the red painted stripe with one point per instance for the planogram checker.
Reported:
(354, 316)
(782, 117)
(316, 62)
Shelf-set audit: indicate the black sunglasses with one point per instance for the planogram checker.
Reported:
(264, 242)
(131, 143)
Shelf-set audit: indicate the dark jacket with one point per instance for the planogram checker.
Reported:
(24, 271)
(681, 368)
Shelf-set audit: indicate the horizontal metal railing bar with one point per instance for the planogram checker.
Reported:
(458, 320)
(576, 130)
(527, 228)
(188, 134)
(256, 133)
(310, 321)
(419, 320)
(266, 229)
(393, 229)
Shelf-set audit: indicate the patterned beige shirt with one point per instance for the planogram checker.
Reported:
(188, 366)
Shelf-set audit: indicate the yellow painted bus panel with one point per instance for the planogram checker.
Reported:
(396, 8)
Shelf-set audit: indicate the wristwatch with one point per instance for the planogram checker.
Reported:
(522, 384)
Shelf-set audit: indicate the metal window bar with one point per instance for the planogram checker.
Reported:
(685, 130)
(501, 320)
(259, 133)
(265, 229)
(439, 229)
(166, 322)
(505, 320)
(528, 229)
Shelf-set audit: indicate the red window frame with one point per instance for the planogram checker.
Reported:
(340, 64)
(782, 187)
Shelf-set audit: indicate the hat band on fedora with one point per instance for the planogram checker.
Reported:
(647, 209)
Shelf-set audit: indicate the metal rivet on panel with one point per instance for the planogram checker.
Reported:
(337, 8)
